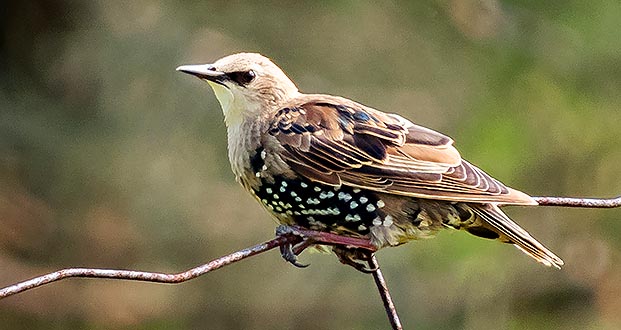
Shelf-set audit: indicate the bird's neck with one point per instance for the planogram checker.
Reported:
(245, 134)
(247, 124)
(242, 140)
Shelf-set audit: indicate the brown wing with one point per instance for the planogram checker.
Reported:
(336, 141)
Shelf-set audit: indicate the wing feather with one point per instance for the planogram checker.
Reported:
(337, 141)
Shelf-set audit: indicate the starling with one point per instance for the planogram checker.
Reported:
(330, 164)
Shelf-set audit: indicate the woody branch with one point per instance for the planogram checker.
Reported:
(279, 241)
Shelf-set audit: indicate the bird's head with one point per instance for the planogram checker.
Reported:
(245, 84)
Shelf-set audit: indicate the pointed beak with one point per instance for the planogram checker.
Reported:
(204, 71)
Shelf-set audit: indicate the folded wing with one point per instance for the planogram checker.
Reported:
(337, 141)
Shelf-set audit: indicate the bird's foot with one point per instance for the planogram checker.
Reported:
(355, 258)
(290, 251)
(352, 251)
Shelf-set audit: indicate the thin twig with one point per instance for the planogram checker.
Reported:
(579, 202)
(380, 282)
(147, 276)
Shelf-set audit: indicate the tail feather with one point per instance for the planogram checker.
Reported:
(519, 237)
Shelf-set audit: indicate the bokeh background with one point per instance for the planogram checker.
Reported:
(110, 158)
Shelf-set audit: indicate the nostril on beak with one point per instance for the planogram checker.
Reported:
(211, 68)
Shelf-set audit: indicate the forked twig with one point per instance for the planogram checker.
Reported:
(211, 266)
(266, 246)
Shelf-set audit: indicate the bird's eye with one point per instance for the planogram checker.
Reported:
(242, 78)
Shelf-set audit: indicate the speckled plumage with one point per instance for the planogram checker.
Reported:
(330, 164)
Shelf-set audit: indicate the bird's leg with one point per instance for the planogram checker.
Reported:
(302, 246)
(354, 249)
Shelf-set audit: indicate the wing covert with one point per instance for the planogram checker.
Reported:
(336, 141)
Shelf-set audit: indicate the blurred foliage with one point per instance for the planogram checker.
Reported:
(110, 158)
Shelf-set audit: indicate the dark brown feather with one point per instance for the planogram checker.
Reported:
(513, 233)
(334, 140)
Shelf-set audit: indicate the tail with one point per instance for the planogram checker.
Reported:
(510, 232)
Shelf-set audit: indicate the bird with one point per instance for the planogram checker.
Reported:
(330, 164)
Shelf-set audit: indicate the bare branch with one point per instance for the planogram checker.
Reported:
(579, 202)
(380, 282)
(302, 234)
(146, 276)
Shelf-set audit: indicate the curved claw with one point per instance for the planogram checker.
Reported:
(368, 270)
(287, 253)
(359, 266)
(355, 258)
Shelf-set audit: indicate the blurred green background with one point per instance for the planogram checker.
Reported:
(110, 158)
